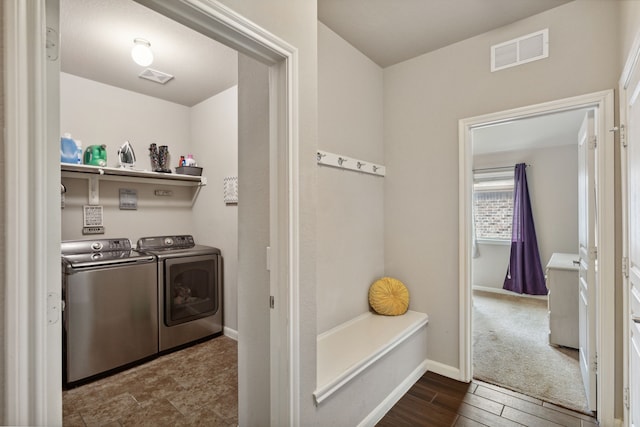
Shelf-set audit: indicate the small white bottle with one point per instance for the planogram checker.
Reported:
(190, 161)
(79, 151)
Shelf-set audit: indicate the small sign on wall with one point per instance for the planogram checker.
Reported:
(92, 216)
(128, 199)
(92, 220)
(231, 190)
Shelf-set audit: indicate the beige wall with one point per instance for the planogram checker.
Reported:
(350, 224)
(424, 99)
(96, 113)
(214, 144)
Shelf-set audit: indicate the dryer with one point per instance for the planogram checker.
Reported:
(190, 284)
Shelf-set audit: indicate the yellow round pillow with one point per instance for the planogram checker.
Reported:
(389, 296)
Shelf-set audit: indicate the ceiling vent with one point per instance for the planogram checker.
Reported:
(519, 51)
(155, 76)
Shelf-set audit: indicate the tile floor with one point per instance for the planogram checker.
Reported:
(196, 386)
(437, 401)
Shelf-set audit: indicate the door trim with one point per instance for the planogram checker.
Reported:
(605, 312)
(32, 329)
(631, 65)
(33, 368)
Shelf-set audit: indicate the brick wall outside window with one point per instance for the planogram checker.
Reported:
(493, 212)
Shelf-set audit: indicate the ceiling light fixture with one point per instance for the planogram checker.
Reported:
(141, 52)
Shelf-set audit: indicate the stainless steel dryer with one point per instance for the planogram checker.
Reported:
(110, 315)
(189, 289)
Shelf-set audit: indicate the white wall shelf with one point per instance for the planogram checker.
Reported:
(343, 162)
(95, 174)
(69, 170)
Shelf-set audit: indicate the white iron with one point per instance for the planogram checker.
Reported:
(126, 156)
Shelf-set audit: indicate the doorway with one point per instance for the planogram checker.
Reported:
(34, 371)
(509, 327)
(604, 330)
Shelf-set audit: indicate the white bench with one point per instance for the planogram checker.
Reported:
(347, 350)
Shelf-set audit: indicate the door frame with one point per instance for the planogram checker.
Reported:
(32, 327)
(631, 64)
(605, 310)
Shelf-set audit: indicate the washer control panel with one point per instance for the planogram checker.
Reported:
(119, 245)
(95, 246)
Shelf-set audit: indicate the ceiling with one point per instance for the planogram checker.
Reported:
(549, 130)
(392, 31)
(96, 37)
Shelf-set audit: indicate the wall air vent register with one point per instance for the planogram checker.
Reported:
(521, 50)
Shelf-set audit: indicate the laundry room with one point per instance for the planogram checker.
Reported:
(157, 143)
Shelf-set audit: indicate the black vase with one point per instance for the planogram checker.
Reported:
(153, 156)
(163, 159)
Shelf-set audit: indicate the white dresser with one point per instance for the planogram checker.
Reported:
(562, 282)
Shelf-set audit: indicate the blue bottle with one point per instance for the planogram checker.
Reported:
(70, 152)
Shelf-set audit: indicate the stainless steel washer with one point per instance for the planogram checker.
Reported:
(110, 312)
(189, 289)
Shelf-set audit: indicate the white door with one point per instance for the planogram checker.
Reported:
(588, 259)
(632, 237)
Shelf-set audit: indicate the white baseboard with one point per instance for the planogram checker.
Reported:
(231, 333)
(505, 292)
(444, 370)
(384, 406)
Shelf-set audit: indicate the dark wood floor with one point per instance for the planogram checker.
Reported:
(439, 401)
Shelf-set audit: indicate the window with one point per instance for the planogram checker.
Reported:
(493, 205)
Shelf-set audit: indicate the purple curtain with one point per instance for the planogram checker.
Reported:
(524, 274)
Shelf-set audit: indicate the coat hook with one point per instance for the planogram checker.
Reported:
(341, 160)
(319, 156)
(375, 168)
(360, 165)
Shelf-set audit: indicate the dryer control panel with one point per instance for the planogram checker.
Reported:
(166, 242)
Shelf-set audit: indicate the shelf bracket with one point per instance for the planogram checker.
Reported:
(94, 190)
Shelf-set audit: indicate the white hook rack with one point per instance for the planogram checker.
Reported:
(342, 162)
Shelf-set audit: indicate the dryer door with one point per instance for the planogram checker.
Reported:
(191, 290)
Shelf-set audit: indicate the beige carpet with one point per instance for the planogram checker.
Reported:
(511, 349)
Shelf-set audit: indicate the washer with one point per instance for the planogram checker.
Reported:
(189, 289)
(110, 297)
